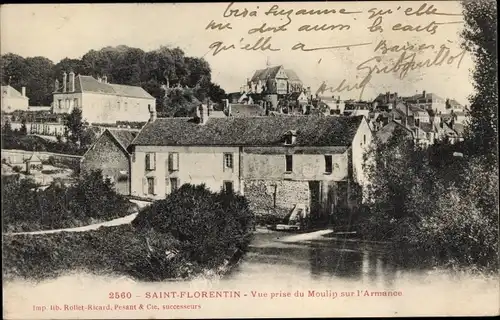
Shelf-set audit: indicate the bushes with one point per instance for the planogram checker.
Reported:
(210, 227)
(191, 232)
(442, 206)
(59, 206)
(105, 250)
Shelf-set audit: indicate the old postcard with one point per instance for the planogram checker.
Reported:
(261, 160)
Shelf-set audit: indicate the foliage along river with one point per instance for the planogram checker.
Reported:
(335, 278)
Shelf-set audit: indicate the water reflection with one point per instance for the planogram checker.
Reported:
(317, 261)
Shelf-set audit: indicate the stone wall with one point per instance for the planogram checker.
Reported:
(107, 155)
(267, 196)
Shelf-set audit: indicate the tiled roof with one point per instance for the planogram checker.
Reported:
(246, 110)
(11, 92)
(425, 126)
(33, 158)
(250, 131)
(264, 74)
(294, 95)
(92, 85)
(430, 96)
(124, 137)
(416, 109)
(459, 129)
(455, 104)
(386, 132)
(292, 76)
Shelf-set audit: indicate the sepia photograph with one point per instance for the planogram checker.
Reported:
(249, 160)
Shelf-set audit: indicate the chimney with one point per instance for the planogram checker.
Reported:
(65, 80)
(225, 103)
(105, 79)
(23, 91)
(152, 112)
(99, 79)
(210, 109)
(423, 94)
(72, 81)
(203, 113)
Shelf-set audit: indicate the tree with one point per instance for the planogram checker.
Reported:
(23, 130)
(209, 226)
(7, 127)
(74, 123)
(152, 70)
(216, 93)
(480, 39)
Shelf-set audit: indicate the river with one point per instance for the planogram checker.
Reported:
(334, 278)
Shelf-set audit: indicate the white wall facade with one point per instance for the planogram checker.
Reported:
(196, 165)
(104, 108)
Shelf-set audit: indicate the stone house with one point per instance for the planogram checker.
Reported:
(100, 101)
(385, 101)
(13, 100)
(276, 162)
(428, 101)
(110, 154)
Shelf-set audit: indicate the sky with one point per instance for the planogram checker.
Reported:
(71, 30)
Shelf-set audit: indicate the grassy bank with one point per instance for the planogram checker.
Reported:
(90, 200)
(193, 231)
(113, 250)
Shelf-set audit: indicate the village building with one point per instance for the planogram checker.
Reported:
(241, 110)
(385, 101)
(334, 105)
(272, 84)
(357, 108)
(427, 101)
(385, 133)
(13, 100)
(110, 155)
(100, 101)
(277, 162)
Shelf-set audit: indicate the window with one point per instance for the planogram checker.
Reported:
(151, 185)
(328, 164)
(126, 106)
(289, 163)
(228, 161)
(364, 139)
(174, 184)
(118, 105)
(75, 102)
(59, 103)
(290, 137)
(173, 161)
(228, 186)
(150, 161)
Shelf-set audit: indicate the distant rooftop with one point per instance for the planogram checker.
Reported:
(92, 85)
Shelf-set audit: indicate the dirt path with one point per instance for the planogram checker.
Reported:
(111, 223)
(115, 222)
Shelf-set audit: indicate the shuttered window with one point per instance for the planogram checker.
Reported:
(173, 161)
(289, 163)
(150, 161)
